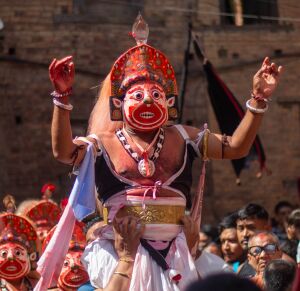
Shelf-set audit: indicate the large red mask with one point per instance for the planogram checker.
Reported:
(143, 66)
(14, 261)
(18, 246)
(145, 106)
(73, 273)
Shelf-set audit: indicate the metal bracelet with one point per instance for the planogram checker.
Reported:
(56, 94)
(126, 260)
(123, 275)
(256, 110)
(68, 107)
(260, 97)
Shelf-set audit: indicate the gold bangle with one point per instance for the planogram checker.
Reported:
(123, 275)
(126, 260)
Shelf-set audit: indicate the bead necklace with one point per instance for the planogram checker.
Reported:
(146, 164)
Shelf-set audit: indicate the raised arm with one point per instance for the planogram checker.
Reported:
(61, 73)
(238, 145)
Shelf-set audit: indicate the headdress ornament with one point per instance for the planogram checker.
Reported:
(9, 203)
(17, 229)
(77, 242)
(139, 63)
(48, 186)
(44, 213)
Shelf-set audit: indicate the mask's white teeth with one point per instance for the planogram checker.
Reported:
(76, 278)
(147, 115)
(11, 268)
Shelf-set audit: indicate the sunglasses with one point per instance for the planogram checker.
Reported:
(269, 249)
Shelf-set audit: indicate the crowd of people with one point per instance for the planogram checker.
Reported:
(139, 230)
(248, 242)
(242, 252)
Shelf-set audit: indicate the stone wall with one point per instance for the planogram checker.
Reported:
(96, 33)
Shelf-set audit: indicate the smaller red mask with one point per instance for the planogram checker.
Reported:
(14, 261)
(145, 106)
(42, 232)
(73, 273)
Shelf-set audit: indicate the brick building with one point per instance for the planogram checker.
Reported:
(96, 32)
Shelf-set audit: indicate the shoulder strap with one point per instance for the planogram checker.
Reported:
(94, 136)
(182, 131)
(99, 144)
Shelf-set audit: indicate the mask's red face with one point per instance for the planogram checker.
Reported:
(14, 261)
(42, 232)
(145, 106)
(73, 273)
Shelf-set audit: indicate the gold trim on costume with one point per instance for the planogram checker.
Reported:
(105, 214)
(205, 144)
(151, 214)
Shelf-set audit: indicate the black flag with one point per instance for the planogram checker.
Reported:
(228, 111)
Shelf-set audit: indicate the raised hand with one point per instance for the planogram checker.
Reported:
(61, 73)
(127, 236)
(266, 79)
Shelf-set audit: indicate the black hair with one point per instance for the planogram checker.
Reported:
(282, 204)
(228, 221)
(289, 247)
(210, 230)
(90, 220)
(294, 218)
(253, 210)
(279, 275)
(223, 282)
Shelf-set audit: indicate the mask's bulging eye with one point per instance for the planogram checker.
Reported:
(138, 95)
(156, 94)
(66, 263)
(3, 254)
(18, 253)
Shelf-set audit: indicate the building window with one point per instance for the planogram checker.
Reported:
(247, 12)
(120, 12)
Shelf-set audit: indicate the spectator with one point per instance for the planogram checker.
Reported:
(263, 248)
(289, 250)
(92, 228)
(293, 225)
(214, 248)
(207, 241)
(223, 282)
(251, 218)
(93, 225)
(232, 251)
(282, 211)
(279, 276)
